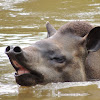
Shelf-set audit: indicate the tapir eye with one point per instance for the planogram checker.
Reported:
(59, 59)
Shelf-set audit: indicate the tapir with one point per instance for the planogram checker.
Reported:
(69, 54)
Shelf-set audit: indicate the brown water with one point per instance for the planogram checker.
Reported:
(22, 22)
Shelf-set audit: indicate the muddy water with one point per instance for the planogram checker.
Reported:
(22, 22)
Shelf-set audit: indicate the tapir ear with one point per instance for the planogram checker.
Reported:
(93, 39)
(50, 29)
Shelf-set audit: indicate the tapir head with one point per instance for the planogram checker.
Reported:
(58, 58)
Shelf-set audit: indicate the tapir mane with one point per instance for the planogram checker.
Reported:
(79, 28)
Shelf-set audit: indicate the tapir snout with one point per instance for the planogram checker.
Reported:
(64, 56)
(23, 75)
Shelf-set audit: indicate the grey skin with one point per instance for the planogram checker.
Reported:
(69, 54)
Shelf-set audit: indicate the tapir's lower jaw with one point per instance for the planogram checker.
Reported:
(27, 79)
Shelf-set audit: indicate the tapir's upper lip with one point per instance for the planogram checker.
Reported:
(20, 70)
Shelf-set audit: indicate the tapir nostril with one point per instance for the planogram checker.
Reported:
(11, 50)
(17, 49)
(7, 49)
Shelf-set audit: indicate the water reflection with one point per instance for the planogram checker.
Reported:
(23, 15)
(53, 91)
(9, 4)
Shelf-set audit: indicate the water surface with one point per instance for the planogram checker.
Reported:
(22, 22)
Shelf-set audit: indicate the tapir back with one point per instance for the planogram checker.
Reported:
(93, 65)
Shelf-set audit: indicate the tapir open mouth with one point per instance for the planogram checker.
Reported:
(20, 70)
(26, 77)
